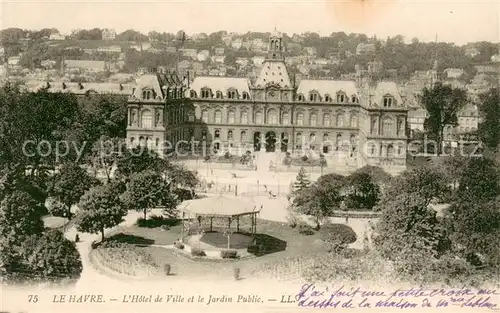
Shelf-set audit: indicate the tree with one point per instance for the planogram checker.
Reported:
(101, 208)
(104, 155)
(51, 257)
(476, 228)
(480, 180)
(425, 181)
(146, 190)
(363, 194)
(131, 35)
(489, 128)
(137, 160)
(19, 217)
(442, 102)
(302, 181)
(409, 232)
(70, 184)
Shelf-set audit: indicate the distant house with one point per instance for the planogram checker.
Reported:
(197, 67)
(246, 44)
(258, 60)
(110, 49)
(472, 52)
(495, 58)
(48, 64)
(171, 49)
(189, 53)
(453, 72)
(154, 50)
(57, 36)
(242, 61)
(85, 66)
(321, 61)
(14, 61)
(237, 43)
(219, 51)
(365, 48)
(218, 58)
(184, 64)
(108, 34)
(310, 51)
(90, 50)
(203, 55)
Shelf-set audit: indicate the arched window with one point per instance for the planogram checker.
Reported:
(190, 116)
(300, 119)
(341, 97)
(298, 141)
(243, 136)
(204, 116)
(147, 119)
(388, 101)
(192, 94)
(328, 98)
(229, 135)
(258, 118)
(217, 134)
(300, 97)
(246, 96)
(373, 125)
(313, 118)
(157, 142)
(218, 117)
(390, 151)
(399, 127)
(340, 119)
(326, 119)
(231, 94)
(218, 95)
(203, 134)
(286, 118)
(272, 117)
(354, 99)
(230, 117)
(244, 117)
(206, 93)
(132, 139)
(142, 142)
(387, 127)
(147, 94)
(313, 96)
(338, 141)
(354, 120)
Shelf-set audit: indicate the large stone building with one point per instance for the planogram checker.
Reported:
(354, 122)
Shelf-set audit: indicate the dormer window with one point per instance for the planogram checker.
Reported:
(218, 95)
(341, 97)
(206, 93)
(192, 94)
(246, 96)
(388, 101)
(354, 99)
(231, 94)
(328, 98)
(313, 96)
(300, 97)
(147, 94)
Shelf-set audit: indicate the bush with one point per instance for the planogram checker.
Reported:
(304, 158)
(157, 221)
(166, 269)
(253, 249)
(338, 235)
(305, 229)
(197, 252)
(287, 161)
(179, 245)
(229, 254)
(227, 155)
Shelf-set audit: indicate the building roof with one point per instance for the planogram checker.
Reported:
(273, 73)
(149, 81)
(86, 64)
(330, 87)
(81, 88)
(386, 88)
(220, 83)
(218, 206)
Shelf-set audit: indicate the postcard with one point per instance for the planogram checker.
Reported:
(249, 156)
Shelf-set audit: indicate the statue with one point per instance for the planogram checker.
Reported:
(134, 118)
(158, 118)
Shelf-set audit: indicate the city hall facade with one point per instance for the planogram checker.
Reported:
(358, 119)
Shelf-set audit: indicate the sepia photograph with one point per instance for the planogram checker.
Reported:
(250, 156)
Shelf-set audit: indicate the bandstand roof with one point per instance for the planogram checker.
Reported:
(218, 206)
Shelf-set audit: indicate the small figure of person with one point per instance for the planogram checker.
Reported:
(77, 238)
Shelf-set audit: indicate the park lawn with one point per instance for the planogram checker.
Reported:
(54, 222)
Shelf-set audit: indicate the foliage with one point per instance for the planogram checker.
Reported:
(363, 193)
(338, 236)
(70, 184)
(101, 208)
(127, 260)
(442, 102)
(377, 174)
(137, 160)
(305, 229)
(87, 34)
(489, 128)
(56, 207)
(104, 155)
(408, 232)
(147, 190)
(229, 254)
(302, 181)
(287, 160)
(52, 257)
(480, 180)
(197, 252)
(19, 217)
(131, 35)
(157, 221)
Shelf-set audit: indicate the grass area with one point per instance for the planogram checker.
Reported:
(54, 221)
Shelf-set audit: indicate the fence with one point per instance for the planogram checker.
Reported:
(244, 189)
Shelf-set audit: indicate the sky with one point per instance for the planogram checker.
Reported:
(452, 20)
